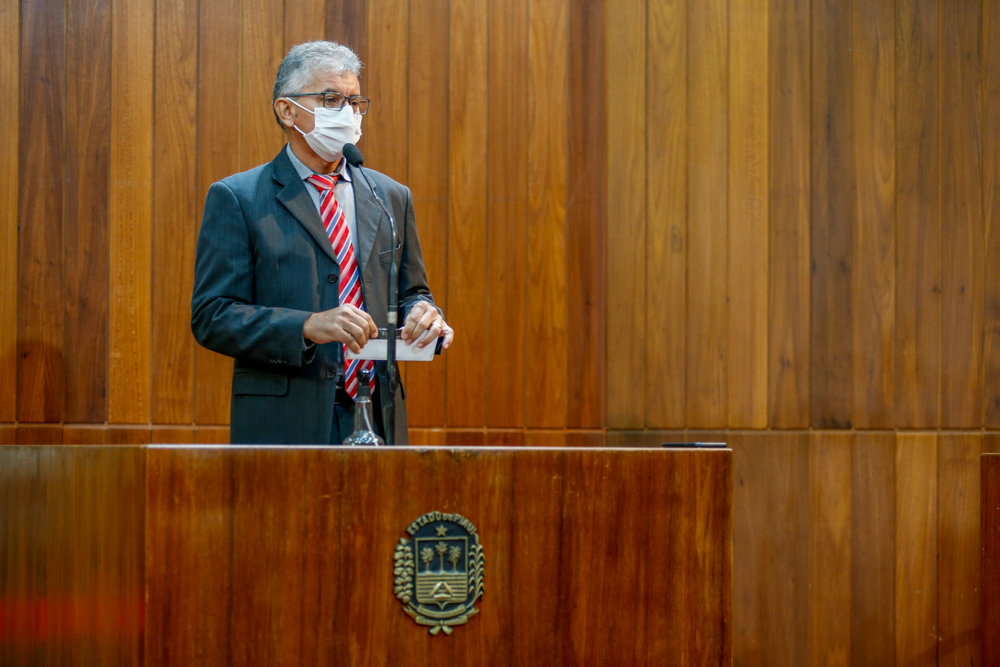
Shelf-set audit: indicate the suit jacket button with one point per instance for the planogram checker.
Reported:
(332, 278)
(330, 375)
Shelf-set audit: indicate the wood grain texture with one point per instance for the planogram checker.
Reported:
(770, 613)
(385, 82)
(218, 156)
(71, 552)
(627, 225)
(428, 181)
(467, 215)
(261, 51)
(305, 23)
(746, 359)
(958, 620)
(788, 208)
(829, 547)
(666, 196)
(991, 211)
(962, 238)
(586, 215)
(873, 285)
(85, 216)
(175, 210)
(707, 208)
(507, 193)
(40, 211)
(329, 512)
(917, 549)
(84, 435)
(130, 210)
(346, 22)
(873, 550)
(918, 216)
(990, 567)
(10, 65)
(546, 354)
(832, 216)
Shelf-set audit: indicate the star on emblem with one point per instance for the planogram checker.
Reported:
(442, 530)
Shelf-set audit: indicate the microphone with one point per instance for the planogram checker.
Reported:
(354, 158)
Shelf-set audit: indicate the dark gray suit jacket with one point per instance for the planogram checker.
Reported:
(264, 263)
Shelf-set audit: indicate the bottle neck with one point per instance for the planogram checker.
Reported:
(363, 415)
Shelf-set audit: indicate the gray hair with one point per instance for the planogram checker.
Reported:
(297, 69)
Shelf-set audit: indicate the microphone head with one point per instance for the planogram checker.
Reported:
(353, 155)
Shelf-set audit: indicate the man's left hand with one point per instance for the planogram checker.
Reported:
(425, 320)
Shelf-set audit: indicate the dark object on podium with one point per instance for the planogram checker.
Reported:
(989, 513)
(227, 555)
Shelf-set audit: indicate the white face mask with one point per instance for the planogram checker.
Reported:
(332, 129)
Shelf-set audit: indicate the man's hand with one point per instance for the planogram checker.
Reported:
(423, 317)
(346, 324)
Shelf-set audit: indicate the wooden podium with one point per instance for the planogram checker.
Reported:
(989, 513)
(224, 555)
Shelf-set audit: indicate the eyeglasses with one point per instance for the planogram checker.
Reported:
(336, 101)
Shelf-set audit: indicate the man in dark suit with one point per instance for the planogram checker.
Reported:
(293, 265)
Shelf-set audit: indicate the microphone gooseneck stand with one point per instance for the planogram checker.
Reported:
(354, 158)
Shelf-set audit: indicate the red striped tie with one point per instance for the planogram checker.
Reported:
(350, 278)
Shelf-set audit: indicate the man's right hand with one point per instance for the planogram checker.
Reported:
(346, 324)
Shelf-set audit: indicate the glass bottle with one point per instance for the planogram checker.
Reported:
(364, 427)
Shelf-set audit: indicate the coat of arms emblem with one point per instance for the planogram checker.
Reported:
(439, 571)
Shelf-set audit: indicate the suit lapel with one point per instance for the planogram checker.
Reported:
(296, 199)
(367, 215)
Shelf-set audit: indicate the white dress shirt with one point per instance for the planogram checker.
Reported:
(343, 191)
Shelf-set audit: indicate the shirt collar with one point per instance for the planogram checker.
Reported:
(305, 172)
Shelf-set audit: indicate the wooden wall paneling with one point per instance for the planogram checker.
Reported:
(586, 211)
(306, 22)
(746, 358)
(707, 245)
(832, 216)
(646, 438)
(873, 287)
(218, 156)
(962, 236)
(261, 51)
(8, 434)
(85, 216)
(918, 216)
(39, 434)
(211, 435)
(129, 435)
(384, 80)
(991, 210)
(626, 221)
(507, 232)
(467, 214)
(40, 212)
(770, 556)
(873, 550)
(171, 435)
(427, 136)
(916, 549)
(667, 238)
(346, 22)
(990, 572)
(829, 547)
(131, 208)
(84, 434)
(546, 378)
(176, 210)
(788, 211)
(10, 64)
(958, 620)
(428, 437)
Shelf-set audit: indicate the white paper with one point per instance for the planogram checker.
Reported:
(378, 350)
